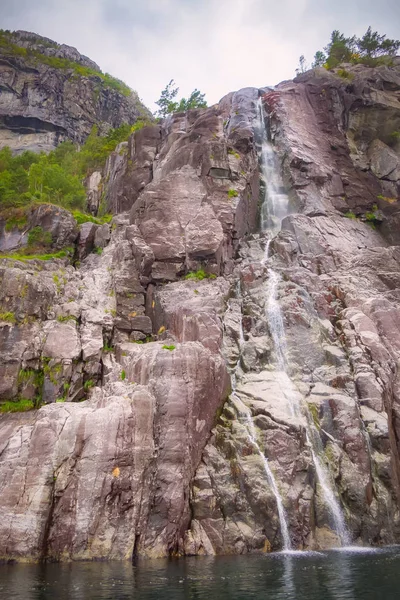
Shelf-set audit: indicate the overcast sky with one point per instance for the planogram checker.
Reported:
(214, 45)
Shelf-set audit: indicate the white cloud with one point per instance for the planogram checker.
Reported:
(214, 45)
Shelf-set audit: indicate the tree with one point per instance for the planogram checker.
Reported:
(195, 100)
(302, 68)
(168, 105)
(372, 44)
(340, 49)
(319, 59)
(166, 100)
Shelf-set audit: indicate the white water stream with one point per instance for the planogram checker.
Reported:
(275, 207)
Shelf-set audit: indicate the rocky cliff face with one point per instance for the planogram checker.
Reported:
(140, 449)
(49, 93)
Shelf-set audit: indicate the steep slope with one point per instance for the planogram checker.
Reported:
(50, 93)
(140, 449)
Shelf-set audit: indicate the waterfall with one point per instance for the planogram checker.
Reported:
(275, 206)
(251, 431)
(245, 413)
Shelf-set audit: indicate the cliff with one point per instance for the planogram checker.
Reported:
(49, 93)
(139, 447)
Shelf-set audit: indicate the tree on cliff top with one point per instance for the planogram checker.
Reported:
(367, 50)
(168, 105)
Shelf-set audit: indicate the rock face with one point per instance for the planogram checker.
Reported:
(50, 93)
(165, 388)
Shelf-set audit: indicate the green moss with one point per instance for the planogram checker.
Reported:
(171, 347)
(21, 405)
(350, 215)
(314, 411)
(233, 153)
(123, 375)
(232, 193)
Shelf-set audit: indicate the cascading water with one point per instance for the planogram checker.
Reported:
(275, 207)
(245, 413)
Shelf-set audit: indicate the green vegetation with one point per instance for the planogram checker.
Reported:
(55, 62)
(19, 255)
(171, 347)
(65, 319)
(168, 105)
(88, 384)
(371, 49)
(21, 405)
(350, 215)
(8, 317)
(345, 74)
(57, 177)
(233, 153)
(123, 375)
(81, 217)
(108, 348)
(232, 193)
(199, 275)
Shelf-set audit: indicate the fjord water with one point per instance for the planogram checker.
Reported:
(334, 575)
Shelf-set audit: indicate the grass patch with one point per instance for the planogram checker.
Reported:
(81, 217)
(107, 348)
(199, 275)
(19, 255)
(123, 375)
(350, 215)
(21, 405)
(88, 384)
(8, 317)
(232, 193)
(170, 347)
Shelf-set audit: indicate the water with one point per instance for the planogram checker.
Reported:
(245, 412)
(329, 576)
(275, 206)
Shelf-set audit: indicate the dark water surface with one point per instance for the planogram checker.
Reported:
(341, 575)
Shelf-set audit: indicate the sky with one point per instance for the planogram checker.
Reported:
(216, 46)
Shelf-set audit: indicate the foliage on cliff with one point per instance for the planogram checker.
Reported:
(368, 50)
(34, 56)
(56, 177)
(168, 105)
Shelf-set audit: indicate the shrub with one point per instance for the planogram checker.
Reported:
(345, 74)
(232, 193)
(88, 384)
(38, 237)
(350, 215)
(123, 375)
